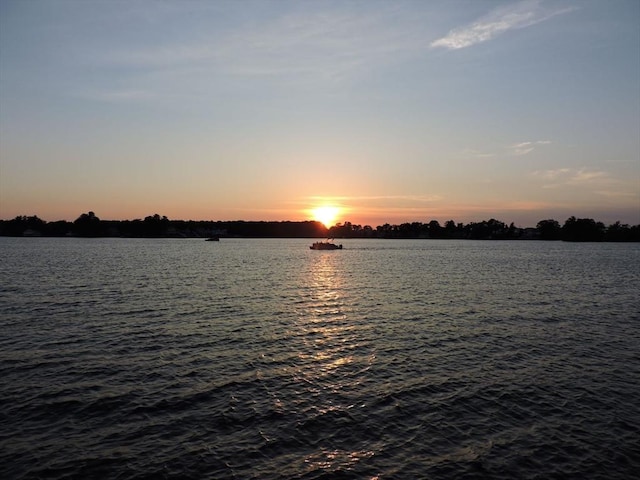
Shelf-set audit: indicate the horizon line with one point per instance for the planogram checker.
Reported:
(311, 220)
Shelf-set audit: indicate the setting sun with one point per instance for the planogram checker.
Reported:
(326, 214)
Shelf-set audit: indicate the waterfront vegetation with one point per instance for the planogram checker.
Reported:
(156, 226)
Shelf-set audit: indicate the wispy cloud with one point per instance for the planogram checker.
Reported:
(369, 198)
(571, 177)
(306, 48)
(552, 174)
(470, 152)
(516, 149)
(587, 176)
(524, 148)
(321, 44)
(520, 15)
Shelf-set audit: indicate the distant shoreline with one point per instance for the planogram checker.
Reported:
(88, 225)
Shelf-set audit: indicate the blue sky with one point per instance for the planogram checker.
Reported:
(394, 111)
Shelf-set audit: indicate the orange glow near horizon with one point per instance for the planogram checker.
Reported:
(326, 214)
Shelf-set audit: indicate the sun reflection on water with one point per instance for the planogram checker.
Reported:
(329, 459)
(323, 323)
(333, 358)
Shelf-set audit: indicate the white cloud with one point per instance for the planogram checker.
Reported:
(587, 176)
(552, 174)
(571, 177)
(517, 149)
(520, 15)
(523, 148)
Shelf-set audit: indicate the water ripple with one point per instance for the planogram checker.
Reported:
(260, 359)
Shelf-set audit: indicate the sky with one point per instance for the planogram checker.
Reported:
(392, 111)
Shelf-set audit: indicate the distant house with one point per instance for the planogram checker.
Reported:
(29, 232)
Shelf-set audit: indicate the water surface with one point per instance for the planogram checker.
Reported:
(390, 359)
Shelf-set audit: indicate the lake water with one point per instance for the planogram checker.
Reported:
(262, 359)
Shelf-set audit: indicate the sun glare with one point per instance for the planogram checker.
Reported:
(326, 214)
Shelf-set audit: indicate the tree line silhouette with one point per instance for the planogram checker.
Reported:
(89, 225)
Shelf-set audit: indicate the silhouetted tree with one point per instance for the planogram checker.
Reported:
(618, 232)
(24, 225)
(487, 230)
(156, 226)
(435, 230)
(60, 228)
(87, 225)
(450, 229)
(549, 229)
(582, 230)
(384, 231)
(343, 230)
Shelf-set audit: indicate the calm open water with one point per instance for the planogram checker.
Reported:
(262, 359)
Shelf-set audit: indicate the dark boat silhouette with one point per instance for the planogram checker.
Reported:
(325, 246)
